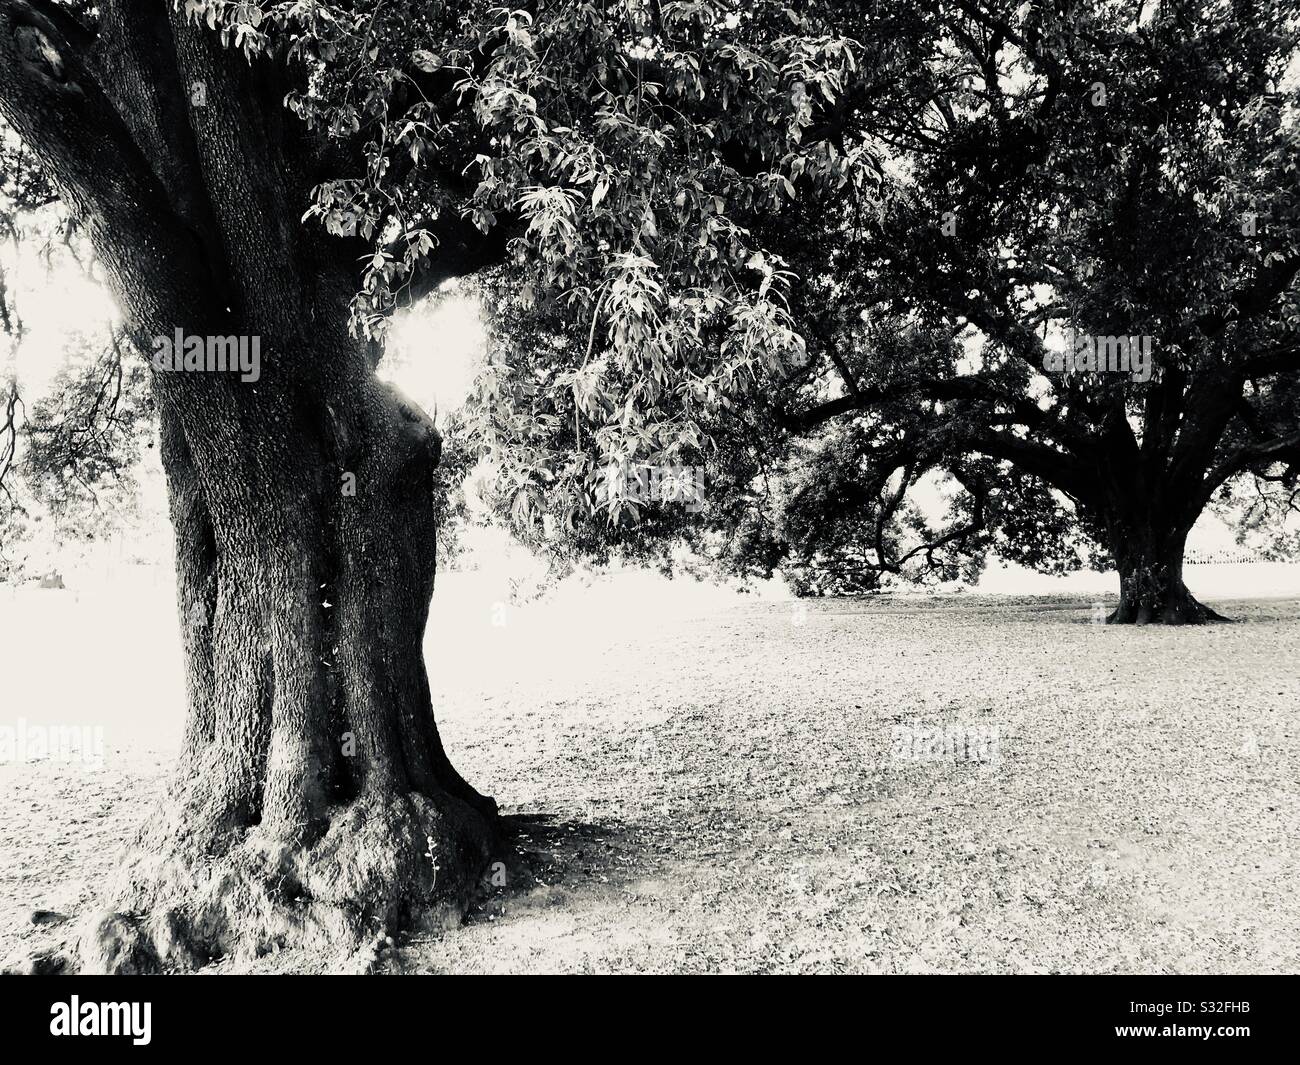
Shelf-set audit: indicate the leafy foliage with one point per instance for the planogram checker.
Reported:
(627, 150)
(826, 252)
(77, 452)
(1089, 169)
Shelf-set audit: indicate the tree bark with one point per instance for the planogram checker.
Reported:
(313, 803)
(1148, 553)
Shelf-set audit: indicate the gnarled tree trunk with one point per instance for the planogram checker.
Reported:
(314, 802)
(1148, 551)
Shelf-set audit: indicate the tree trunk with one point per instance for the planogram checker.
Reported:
(314, 803)
(1149, 556)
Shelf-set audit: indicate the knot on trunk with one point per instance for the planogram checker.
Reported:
(416, 429)
(41, 55)
(39, 51)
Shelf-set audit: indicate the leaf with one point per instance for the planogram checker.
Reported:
(426, 61)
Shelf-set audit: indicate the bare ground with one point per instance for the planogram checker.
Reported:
(719, 791)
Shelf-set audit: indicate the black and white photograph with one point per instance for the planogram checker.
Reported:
(668, 487)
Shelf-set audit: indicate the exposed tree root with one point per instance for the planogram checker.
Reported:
(1177, 607)
(381, 863)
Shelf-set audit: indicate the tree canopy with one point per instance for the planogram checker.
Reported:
(754, 271)
(824, 252)
(1032, 180)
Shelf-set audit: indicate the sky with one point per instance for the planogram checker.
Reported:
(434, 351)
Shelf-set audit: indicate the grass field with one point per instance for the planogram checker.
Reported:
(714, 783)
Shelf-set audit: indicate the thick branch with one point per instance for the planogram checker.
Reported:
(1055, 467)
(1279, 449)
(1284, 359)
(1253, 300)
(136, 61)
(976, 389)
(72, 29)
(51, 98)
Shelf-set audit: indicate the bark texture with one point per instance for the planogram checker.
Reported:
(1147, 515)
(1151, 582)
(314, 802)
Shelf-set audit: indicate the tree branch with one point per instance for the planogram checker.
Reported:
(50, 96)
(1025, 411)
(1055, 467)
(1277, 360)
(1271, 281)
(1279, 449)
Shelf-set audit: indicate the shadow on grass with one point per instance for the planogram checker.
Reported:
(549, 851)
(548, 859)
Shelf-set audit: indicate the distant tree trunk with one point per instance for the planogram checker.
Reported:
(314, 802)
(1148, 548)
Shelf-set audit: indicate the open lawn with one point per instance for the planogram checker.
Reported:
(717, 783)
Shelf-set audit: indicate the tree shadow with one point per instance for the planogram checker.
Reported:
(546, 852)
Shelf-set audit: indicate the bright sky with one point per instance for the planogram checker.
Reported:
(434, 351)
(55, 302)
